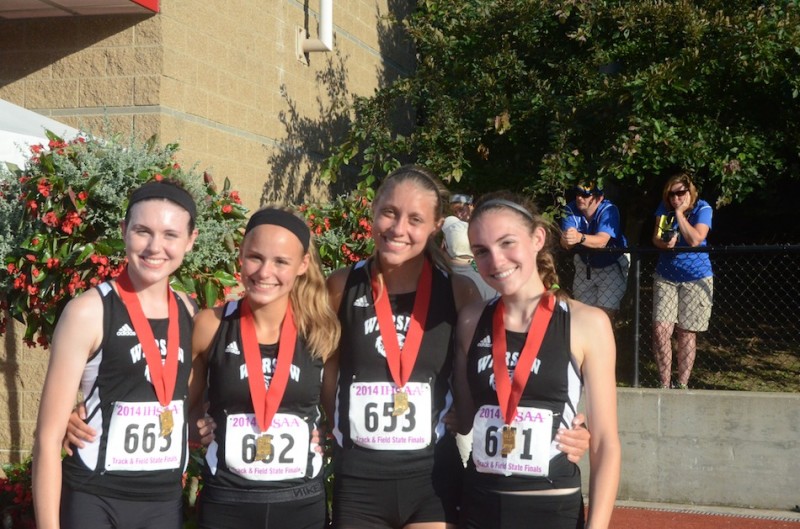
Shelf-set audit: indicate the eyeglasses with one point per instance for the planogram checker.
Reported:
(678, 193)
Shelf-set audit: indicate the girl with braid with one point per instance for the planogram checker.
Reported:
(521, 363)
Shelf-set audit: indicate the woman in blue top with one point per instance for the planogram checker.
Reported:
(683, 283)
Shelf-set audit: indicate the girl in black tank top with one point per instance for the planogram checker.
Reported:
(389, 387)
(521, 361)
(264, 356)
(127, 344)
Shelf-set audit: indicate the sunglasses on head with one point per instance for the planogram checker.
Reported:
(585, 192)
(678, 193)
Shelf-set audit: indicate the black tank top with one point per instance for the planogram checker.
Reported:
(554, 384)
(229, 460)
(124, 462)
(364, 375)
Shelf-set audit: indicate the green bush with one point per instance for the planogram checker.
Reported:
(60, 226)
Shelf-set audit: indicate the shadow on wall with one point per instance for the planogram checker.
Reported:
(294, 168)
(35, 44)
(9, 367)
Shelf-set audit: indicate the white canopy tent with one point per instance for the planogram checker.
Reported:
(20, 128)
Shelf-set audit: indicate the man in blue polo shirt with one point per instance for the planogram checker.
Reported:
(591, 221)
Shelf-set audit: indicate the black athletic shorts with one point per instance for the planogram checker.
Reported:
(80, 510)
(483, 509)
(394, 503)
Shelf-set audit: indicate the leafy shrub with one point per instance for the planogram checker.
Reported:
(60, 228)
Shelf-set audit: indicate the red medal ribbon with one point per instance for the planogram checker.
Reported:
(508, 393)
(266, 401)
(162, 375)
(401, 366)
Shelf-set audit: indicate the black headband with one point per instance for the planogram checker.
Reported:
(502, 202)
(284, 219)
(171, 192)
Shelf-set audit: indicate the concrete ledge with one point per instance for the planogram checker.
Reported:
(718, 448)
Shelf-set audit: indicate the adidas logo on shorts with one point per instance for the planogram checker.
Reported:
(486, 342)
(361, 302)
(125, 330)
(233, 348)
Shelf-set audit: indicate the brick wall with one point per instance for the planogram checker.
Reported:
(220, 78)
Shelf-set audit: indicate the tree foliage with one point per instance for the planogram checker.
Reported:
(537, 94)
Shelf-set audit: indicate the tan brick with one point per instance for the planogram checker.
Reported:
(30, 405)
(51, 94)
(133, 61)
(17, 435)
(87, 63)
(147, 90)
(30, 376)
(109, 92)
(149, 31)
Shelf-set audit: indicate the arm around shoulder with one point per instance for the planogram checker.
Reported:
(465, 329)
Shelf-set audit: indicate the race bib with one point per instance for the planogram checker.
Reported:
(277, 454)
(526, 449)
(135, 440)
(375, 424)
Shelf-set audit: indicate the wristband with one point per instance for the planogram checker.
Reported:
(583, 238)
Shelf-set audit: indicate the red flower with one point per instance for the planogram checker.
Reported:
(234, 195)
(36, 149)
(32, 205)
(71, 220)
(52, 262)
(44, 187)
(50, 219)
(32, 289)
(35, 272)
(158, 177)
(82, 196)
(227, 208)
(35, 241)
(11, 268)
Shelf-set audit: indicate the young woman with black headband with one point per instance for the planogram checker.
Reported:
(264, 356)
(127, 345)
(388, 385)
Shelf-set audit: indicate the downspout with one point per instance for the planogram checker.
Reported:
(325, 41)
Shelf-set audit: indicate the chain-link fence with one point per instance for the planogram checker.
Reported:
(752, 341)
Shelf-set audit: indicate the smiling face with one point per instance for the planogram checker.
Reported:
(505, 250)
(272, 259)
(404, 219)
(156, 238)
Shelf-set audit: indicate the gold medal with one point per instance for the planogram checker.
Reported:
(400, 403)
(509, 440)
(166, 421)
(264, 448)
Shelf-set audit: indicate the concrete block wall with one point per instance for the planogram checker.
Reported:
(220, 78)
(726, 448)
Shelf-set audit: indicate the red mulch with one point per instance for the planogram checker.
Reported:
(634, 518)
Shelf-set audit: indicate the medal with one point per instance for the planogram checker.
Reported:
(510, 388)
(163, 373)
(165, 419)
(400, 403)
(509, 440)
(264, 448)
(401, 365)
(266, 401)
